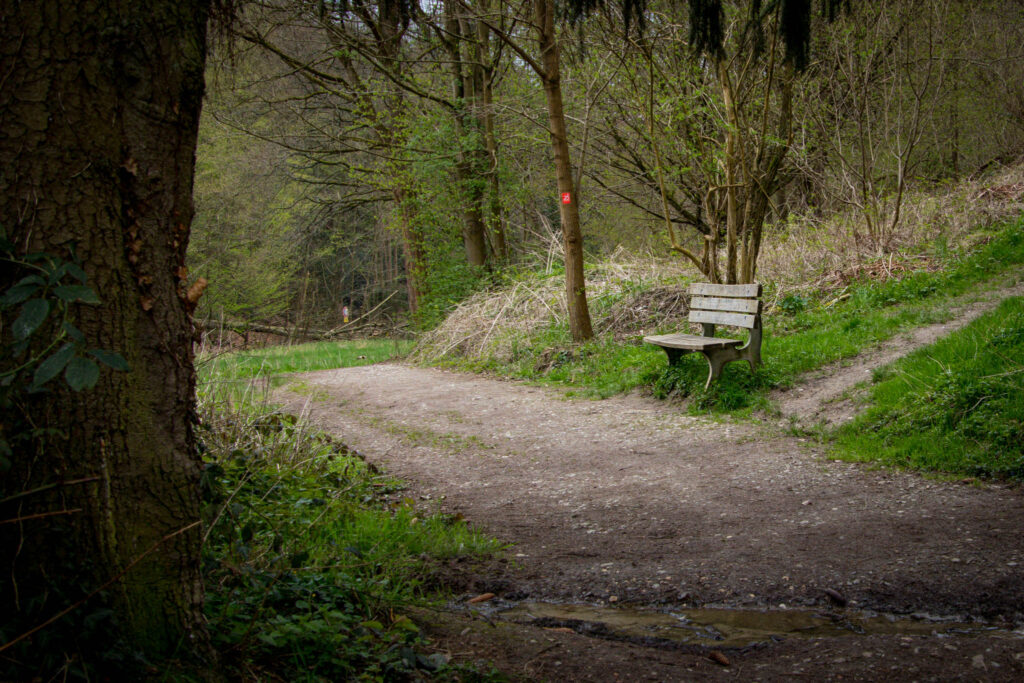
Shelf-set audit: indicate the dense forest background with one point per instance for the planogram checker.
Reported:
(354, 156)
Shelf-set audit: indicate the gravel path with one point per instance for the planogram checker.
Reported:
(626, 498)
(628, 501)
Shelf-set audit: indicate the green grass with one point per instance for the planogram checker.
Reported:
(307, 560)
(806, 334)
(955, 407)
(596, 369)
(276, 360)
(311, 554)
(242, 378)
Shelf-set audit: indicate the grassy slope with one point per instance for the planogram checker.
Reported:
(308, 562)
(811, 334)
(955, 407)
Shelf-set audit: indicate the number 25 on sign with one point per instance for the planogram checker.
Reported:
(566, 198)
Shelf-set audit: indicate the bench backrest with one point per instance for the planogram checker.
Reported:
(734, 305)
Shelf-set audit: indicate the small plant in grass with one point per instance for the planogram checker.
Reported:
(955, 407)
(306, 561)
(794, 303)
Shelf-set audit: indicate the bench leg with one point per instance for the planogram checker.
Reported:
(715, 363)
(717, 359)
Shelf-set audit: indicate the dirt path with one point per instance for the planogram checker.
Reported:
(822, 397)
(627, 501)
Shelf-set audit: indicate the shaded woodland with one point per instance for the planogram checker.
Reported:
(349, 154)
(172, 169)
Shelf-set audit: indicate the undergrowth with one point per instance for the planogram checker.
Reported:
(311, 554)
(954, 407)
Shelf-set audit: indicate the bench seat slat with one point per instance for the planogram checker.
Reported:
(693, 342)
(708, 289)
(730, 305)
(720, 318)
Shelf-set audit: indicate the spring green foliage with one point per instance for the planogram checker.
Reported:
(245, 231)
(434, 205)
(954, 407)
(311, 554)
(448, 281)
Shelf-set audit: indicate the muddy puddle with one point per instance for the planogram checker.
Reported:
(729, 627)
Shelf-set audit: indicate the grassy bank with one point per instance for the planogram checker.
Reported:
(803, 331)
(276, 360)
(245, 377)
(955, 407)
(311, 555)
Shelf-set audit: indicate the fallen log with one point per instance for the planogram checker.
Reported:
(242, 327)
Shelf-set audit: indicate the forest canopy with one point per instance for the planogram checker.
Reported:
(352, 153)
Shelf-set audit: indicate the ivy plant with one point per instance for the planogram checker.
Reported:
(42, 341)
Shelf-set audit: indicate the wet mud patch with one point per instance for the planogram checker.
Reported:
(733, 628)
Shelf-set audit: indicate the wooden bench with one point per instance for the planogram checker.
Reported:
(710, 305)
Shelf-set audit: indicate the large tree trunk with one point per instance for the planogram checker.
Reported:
(572, 237)
(99, 111)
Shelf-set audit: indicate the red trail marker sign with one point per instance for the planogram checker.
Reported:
(566, 198)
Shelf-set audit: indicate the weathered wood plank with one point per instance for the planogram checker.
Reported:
(708, 289)
(720, 318)
(711, 305)
(732, 305)
(693, 342)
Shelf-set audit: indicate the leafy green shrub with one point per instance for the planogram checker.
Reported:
(44, 341)
(447, 281)
(793, 304)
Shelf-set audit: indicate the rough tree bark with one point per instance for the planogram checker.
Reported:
(99, 110)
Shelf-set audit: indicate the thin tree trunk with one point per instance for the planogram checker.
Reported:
(731, 160)
(464, 95)
(496, 212)
(488, 65)
(412, 248)
(572, 238)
